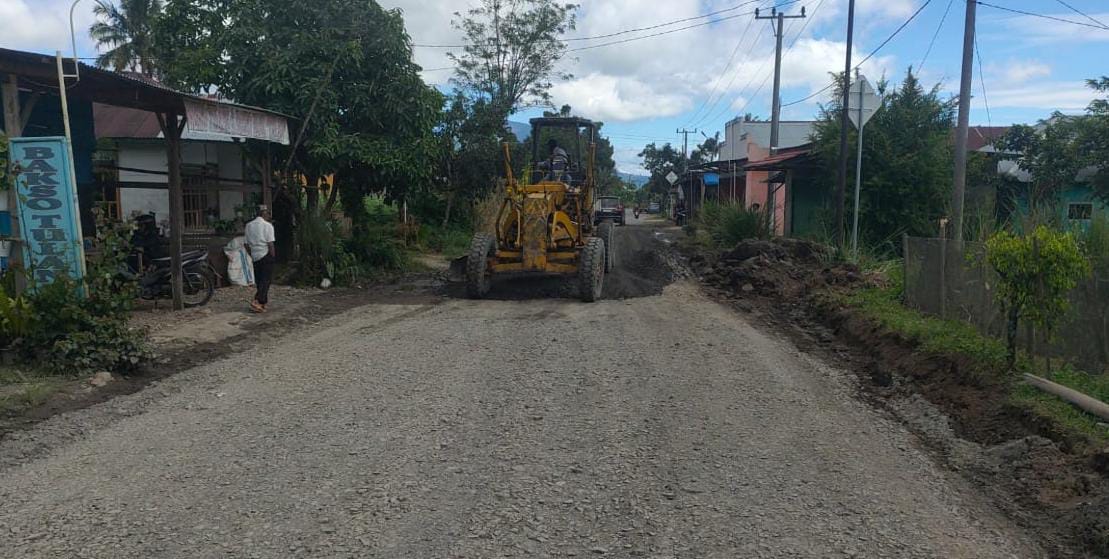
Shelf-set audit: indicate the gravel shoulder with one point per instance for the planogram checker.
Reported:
(662, 425)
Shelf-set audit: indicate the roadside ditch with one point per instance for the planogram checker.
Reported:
(1049, 479)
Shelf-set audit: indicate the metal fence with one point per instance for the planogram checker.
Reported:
(942, 281)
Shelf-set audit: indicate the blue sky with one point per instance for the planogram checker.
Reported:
(643, 90)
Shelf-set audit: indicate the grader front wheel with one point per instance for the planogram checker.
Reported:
(591, 270)
(482, 247)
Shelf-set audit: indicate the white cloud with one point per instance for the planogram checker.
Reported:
(43, 25)
(1020, 72)
(610, 98)
(1051, 96)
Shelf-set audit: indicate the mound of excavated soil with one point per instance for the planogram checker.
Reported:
(780, 268)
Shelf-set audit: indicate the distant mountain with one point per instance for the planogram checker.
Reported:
(521, 129)
(638, 180)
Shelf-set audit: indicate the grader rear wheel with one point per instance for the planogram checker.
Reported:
(478, 280)
(606, 231)
(591, 270)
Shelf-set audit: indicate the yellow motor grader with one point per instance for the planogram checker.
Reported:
(546, 222)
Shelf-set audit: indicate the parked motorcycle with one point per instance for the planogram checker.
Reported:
(153, 276)
(151, 269)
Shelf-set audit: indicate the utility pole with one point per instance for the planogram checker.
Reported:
(841, 179)
(685, 140)
(776, 103)
(960, 182)
(685, 157)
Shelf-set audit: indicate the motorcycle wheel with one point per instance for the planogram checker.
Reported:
(198, 288)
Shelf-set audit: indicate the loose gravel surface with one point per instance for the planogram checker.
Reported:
(657, 426)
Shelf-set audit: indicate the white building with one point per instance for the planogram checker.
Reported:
(216, 176)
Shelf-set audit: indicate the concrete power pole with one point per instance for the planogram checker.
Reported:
(776, 103)
(685, 156)
(685, 140)
(960, 182)
(841, 178)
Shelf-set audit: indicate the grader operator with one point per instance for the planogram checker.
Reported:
(545, 222)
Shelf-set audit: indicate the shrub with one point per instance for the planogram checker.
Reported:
(1095, 241)
(725, 225)
(1036, 272)
(79, 327)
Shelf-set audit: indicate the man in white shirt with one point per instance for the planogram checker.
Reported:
(260, 239)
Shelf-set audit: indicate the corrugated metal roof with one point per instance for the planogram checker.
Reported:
(39, 72)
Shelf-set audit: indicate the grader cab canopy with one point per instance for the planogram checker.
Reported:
(545, 222)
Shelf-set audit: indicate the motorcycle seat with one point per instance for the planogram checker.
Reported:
(187, 256)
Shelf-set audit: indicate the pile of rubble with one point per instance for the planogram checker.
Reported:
(784, 268)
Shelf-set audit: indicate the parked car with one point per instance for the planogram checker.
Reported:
(654, 208)
(609, 207)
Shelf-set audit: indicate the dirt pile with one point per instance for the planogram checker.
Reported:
(786, 268)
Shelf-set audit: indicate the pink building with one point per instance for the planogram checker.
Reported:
(746, 148)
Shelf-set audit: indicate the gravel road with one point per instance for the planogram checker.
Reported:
(657, 426)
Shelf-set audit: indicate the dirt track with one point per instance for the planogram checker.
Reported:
(660, 425)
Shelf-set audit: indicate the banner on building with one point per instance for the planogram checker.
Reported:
(233, 121)
(712, 179)
(49, 222)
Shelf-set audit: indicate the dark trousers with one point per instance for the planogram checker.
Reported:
(263, 276)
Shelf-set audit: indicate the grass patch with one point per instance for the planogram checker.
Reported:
(450, 242)
(956, 338)
(1068, 418)
(21, 390)
(935, 335)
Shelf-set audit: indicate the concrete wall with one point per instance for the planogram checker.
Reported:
(152, 156)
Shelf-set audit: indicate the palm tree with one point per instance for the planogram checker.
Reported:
(126, 32)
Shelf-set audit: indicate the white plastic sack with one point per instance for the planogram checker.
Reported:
(240, 266)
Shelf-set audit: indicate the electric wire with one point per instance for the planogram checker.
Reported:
(932, 43)
(1083, 14)
(763, 65)
(1043, 16)
(625, 31)
(868, 56)
(982, 81)
(716, 82)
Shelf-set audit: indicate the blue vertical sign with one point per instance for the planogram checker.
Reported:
(49, 222)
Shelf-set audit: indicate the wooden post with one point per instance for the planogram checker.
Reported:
(172, 127)
(905, 268)
(13, 119)
(267, 176)
(943, 275)
(13, 127)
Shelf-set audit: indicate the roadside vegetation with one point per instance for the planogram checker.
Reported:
(985, 360)
(68, 329)
(723, 225)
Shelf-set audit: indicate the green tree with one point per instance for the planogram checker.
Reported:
(512, 48)
(342, 68)
(1036, 273)
(707, 151)
(1096, 136)
(127, 32)
(470, 134)
(907, 159)
(660, 161)
(1052, 154)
